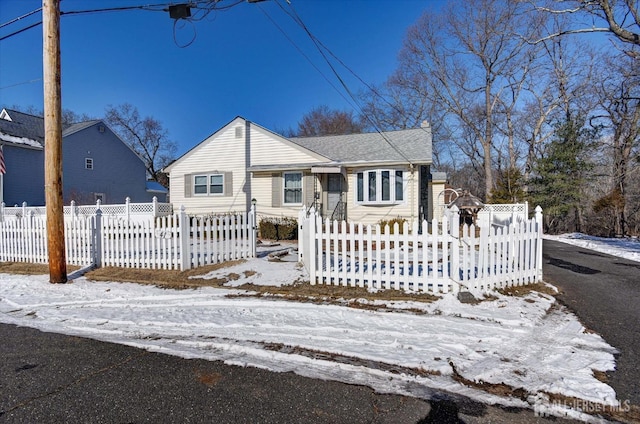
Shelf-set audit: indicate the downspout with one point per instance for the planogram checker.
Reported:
(247, 159)
(412, 170)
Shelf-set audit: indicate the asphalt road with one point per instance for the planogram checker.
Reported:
(53, 378)
(604, 291)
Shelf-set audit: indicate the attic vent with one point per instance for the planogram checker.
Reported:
(238, 132)
(101, 128)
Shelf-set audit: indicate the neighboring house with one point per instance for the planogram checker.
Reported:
(358, 177)
(97, 164)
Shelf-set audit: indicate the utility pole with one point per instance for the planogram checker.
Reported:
(53, 140)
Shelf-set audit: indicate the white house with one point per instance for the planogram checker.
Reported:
(358, 177)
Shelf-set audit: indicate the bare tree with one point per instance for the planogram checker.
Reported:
(469, 62)
(145, 136)
(618, 17)
(619, 92)
(324, 121)
(559, 86)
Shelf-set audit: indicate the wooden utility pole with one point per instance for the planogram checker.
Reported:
(53, 140)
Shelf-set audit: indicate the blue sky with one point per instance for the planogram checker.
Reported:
(239, 63)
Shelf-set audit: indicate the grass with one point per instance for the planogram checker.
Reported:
(25, 268)
(299, 291)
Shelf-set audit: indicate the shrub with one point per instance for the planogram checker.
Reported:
(391, 223)
(279, 228)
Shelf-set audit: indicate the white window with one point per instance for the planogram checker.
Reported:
(212, 184)
(380, 186)
(292, 188)
(88, 163)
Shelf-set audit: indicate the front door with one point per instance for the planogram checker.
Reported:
(334, 196)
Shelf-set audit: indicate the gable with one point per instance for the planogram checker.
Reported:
(227, 149)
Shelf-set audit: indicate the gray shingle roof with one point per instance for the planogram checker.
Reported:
(413, 145)
(32, 127)
(74, 128)
(23, 125)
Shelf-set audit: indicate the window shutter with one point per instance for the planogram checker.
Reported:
(228, 184)
(188, 191)
(276, 190)
(308, 189)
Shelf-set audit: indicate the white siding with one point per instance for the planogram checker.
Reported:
(222, 153)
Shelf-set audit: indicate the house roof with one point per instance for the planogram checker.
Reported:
(156, 187)
(74, 128)
(412, 145)
(22, 128)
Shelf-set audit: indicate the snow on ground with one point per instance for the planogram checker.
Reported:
(628, 248)
(408, 348)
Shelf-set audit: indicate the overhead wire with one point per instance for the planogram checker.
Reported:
(308, 59)
(320, 49)
(20, 17)
(20, 31)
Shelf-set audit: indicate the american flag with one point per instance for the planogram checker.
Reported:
(3, 168)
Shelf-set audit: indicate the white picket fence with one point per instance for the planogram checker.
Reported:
(447, 258)
(25, 240)
(176, 241)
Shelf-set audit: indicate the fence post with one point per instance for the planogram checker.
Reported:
(154, 203)
(97, 237)
(127, 208)
(2, 212)
(74, 209)
(24, 209)
(184, 231)
(454, 233)
(254, 229)
(301, 230)
(311, 255)
(539, 226)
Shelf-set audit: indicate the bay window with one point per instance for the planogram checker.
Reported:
(380, 186)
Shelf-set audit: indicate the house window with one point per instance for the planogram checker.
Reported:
(293, 188)
(216, 184)
(212, 184)
(88, 163)
(380, 186)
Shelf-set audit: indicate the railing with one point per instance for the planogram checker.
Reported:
(503, 214)
(404, 258)
(126, 211)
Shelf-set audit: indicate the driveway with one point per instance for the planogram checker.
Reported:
(604, 291)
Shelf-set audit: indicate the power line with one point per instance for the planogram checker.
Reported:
(204, 8)
(20, 17)
(20, 31)
(320, 47)
(305, 56)
(21, 83)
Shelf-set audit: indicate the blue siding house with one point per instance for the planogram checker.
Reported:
(97, 164)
